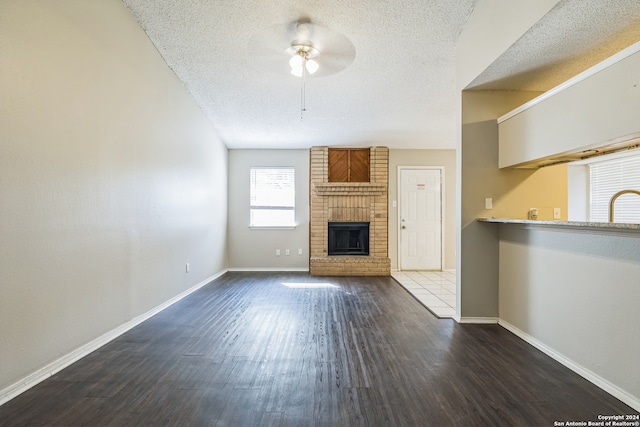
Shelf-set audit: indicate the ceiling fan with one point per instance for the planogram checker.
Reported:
(302, 47)
(305, 47)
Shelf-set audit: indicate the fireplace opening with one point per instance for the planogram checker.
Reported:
(348, 238)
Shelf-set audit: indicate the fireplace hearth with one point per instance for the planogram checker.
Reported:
(348, 238)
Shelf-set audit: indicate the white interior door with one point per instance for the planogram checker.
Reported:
(420, 219)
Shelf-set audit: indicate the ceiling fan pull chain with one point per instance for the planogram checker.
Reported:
(303, 107)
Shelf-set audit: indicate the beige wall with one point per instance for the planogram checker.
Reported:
(444, 158)
(111, 179)
(255, 249)
(513, 193)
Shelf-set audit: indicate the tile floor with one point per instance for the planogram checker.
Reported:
(435, 289)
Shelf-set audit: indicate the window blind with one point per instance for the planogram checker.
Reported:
(272, 197)
(607, 178)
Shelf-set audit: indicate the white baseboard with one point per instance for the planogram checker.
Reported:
(56, 366)
(270, 269)
(444, 270)
(477, 320)
(605, 385)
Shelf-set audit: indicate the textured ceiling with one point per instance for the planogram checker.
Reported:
(572, 37)
(399, 89)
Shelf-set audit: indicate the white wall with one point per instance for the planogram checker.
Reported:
(251, 248)
(110, 175)
(445, 158)
(576, 292)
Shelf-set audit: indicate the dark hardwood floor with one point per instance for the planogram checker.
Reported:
(280, 349)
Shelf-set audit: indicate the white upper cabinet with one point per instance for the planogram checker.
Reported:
(596, 111)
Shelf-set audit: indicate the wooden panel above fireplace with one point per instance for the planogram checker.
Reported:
(349, 164)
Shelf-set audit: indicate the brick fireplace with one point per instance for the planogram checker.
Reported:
(349, 202)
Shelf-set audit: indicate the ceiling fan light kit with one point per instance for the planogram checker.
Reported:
(303, 52)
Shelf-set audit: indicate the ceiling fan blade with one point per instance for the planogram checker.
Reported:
(269, 47)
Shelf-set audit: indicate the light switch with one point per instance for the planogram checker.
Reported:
(488, 203)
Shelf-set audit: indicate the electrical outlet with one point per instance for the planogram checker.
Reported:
(287, 252)
(187, 268)
(300, 251)
(277, 252)
(556, 213)
(488, 203)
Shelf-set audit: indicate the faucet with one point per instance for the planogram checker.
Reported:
(615, 196)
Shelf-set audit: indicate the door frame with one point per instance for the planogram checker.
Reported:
(399, 207)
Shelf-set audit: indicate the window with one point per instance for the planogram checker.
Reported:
(607, 178)
(272, 197)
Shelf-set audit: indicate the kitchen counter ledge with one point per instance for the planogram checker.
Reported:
(566, 224)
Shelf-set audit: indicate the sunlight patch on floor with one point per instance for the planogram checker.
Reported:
(309, 285)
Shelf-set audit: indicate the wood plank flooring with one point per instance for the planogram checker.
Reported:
(288, 349)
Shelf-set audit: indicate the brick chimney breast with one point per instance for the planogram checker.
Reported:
(349, 202)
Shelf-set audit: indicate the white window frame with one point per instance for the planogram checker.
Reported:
(263, 204)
